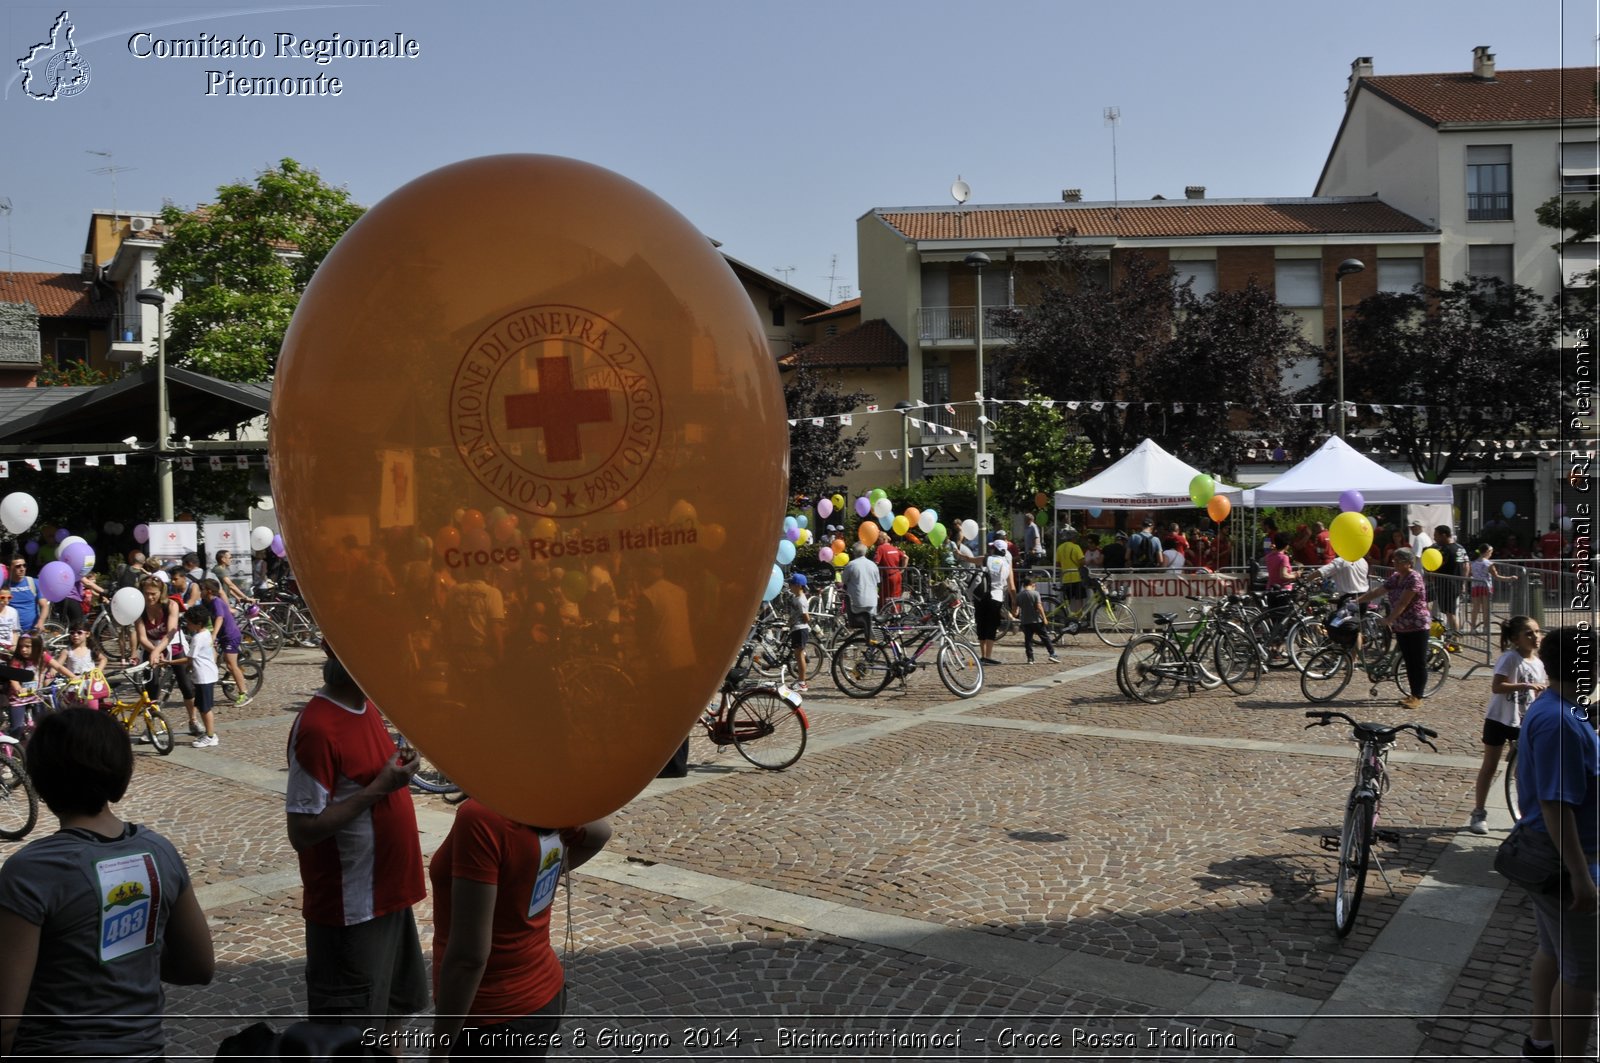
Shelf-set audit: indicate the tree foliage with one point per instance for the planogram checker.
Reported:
(1577, 221)
(1473, 360)
(242, 263)
(1035, 450)
(1143, 356)
(819, 455)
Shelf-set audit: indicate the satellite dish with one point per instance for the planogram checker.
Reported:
(961, 191)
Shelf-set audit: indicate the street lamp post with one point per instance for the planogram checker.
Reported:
(905, 406)
(978, 260)
(1345, 268)
(156, 298)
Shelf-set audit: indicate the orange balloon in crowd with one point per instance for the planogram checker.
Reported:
(912, 515)
(1219, 507)
(571, 349)
(867, 532)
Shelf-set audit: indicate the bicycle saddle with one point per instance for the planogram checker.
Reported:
(1374, 732)
(1163, 618)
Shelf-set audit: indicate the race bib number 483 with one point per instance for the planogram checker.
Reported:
(130, 897)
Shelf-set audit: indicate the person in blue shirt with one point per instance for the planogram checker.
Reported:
(1558, 779)
(33, 608)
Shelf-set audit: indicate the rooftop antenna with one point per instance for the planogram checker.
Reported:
(785, 270)
(1113, 118)
(113, 170)
(833, 275)
(5, 212)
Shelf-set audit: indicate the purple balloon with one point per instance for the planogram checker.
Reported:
(61, 533)
(863, 506)
(277, 545)
(792, 534)
(30, 547)
(56, 580)
(1351, 501)
(141, 533)
(76, 554)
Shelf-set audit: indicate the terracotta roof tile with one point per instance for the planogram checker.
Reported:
(54, 295)
(1166, 218)
(837, 310)
(1512, 96)
(871, 345)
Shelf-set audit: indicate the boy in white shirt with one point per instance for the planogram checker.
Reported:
(203, 664)
(10, 623)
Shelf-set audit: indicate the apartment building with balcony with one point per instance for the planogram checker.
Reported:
(1473, 153)
(915, 281)
(51, 319)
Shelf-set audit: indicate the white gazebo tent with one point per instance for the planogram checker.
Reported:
(1147, 477)
(1335, 468)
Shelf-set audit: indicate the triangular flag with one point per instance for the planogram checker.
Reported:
(895, 454)
(878, 454)
(793, 422)
(1073, 405)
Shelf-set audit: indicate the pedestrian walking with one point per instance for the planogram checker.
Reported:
(861, 589)
(350, 819)
(1030, 614)
(1518, 676)
(1409, 620)
(797, 609)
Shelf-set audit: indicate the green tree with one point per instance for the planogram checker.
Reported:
(242, 263)
(1577, 221)
(1035, 450)
(819, 455)
(1473, 360)
(1143, 356)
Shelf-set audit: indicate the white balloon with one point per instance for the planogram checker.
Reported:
(927, 519)
(882, 508)
(18, 511)
(68, 541)
(260, 538)
(126, 605)
(969, 528)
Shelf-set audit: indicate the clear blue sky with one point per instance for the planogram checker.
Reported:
(772, 126)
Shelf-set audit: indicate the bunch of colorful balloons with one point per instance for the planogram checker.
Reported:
(267, 539)
(876, 511)
(796, 532)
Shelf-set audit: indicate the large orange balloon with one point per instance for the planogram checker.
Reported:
(541, 335)
(1218, 508)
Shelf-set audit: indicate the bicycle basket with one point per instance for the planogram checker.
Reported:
(1342, 632)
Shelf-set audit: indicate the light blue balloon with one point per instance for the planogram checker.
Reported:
(803, 520)
(785, 552)
(1508, 509)
(790, 522)
(774, 583)
(1094, 511)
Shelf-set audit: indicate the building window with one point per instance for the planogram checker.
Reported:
(1489, 182)
(1398, 276)
(1580, 167)
(1298, 282)
(777, 314)
(71, 350)
(1202, 274)
(1490, 260)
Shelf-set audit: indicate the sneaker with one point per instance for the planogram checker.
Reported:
(195, 730)
(1054, 659)
(205, 741)
(1477, 824)
(802, 687)
(988, 660)
(240, 699)
(1030, 660)
(1533, 1051)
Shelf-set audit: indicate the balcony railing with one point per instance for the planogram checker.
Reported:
(936, 323)
(1488, 206)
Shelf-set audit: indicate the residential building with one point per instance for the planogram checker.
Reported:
(52, 319)
(1474, 153)
(783, 308)
(916, 284)
(120, 249)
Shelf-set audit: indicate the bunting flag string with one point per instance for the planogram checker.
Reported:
(65, 466)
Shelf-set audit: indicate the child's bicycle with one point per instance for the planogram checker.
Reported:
(132, 706)
(19, 805)
(764, 723)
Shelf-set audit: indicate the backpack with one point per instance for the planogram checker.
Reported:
(1144, 550)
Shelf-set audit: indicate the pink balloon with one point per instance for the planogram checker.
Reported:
(141, 533)
(825, 554)
(824, 508)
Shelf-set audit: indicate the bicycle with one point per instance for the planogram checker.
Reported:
(19, 803)
(863, 667)
(141, 709)
(1513, 805)
(1354, 842)
(289, 611)
(1153, 666)
(1329, 671)
(1105, 612)
(764, 723)
(428, 779)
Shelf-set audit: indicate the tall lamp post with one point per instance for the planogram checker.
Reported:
(1345, 268)
(978, 260)
(156, 298)
(905, 406)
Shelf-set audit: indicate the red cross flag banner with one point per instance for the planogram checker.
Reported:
(572, 405)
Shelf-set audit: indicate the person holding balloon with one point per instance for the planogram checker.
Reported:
(1409, 620)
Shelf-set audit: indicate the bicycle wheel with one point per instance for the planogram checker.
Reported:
(430, 780)
(1151, 667)
(1113, 622)
(771, 652)
(1512, 805)
(1305, 639)
(108, 637)
(54, 634)
(768, 731)
(959, 668)
(155, 725)
(19, 805)
(1271, 644)
(267, 631)
(252, 666)
(1438, 671)
(1355, 851)
(1236, 659)
(861, 669)
(1326, 674)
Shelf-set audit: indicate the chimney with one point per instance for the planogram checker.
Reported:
(1194, 191)
(1361, 68)
(1072, 195)
(1483, 63)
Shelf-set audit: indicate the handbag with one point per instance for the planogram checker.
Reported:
(1529, 858)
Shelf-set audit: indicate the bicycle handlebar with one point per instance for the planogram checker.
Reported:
(1325, 717)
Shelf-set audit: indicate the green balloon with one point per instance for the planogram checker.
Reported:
(876, 493)
(1201, 489)
(937, 534)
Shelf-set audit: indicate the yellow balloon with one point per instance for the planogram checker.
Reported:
(1432, 559)
(566, 341)
(899, 525)
(840, 560)
(1351, 535)
(802, 536)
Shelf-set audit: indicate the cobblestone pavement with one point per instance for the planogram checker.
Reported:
(1047, 869)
